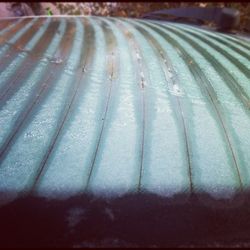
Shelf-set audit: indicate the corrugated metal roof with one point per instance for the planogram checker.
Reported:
(112, 106)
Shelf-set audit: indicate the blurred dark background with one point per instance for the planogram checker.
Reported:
(121, 9)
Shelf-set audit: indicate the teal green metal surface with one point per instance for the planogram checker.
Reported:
(113, 106)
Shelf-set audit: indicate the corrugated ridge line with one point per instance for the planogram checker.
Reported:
(105, 175)
(14, 51)
(34, 97)
(232, 58)
(219, 67)
(239, 41)
(73, 148)
(27, 24)
(28, 62)
(18, 32)
(159, 50)
(235, 39)
(232, 75)
(222, 40)
(64, 45)
(10, 31)
(84, 61)
(242, 45)
(141, 77)
(70, 67)
(31, 37)
(22, 187)
(4, 25)
(151, 79)
(198, 73)
(230, 38)
(110, 62)
(9, 26)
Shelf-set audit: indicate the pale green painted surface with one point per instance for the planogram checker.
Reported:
(114, 106)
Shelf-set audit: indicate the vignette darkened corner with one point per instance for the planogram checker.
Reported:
(124, 124)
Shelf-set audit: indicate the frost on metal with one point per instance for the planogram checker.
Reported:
(115, 106)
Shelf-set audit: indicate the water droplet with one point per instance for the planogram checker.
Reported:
(57, 60)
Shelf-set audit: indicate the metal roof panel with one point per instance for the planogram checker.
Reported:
(112, 106)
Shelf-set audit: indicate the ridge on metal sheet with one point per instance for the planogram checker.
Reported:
(113, 106)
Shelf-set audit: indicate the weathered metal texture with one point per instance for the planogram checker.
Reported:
(113, 106)
(225, 18)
